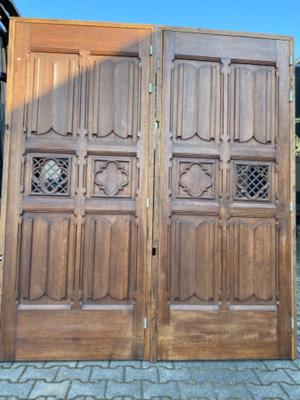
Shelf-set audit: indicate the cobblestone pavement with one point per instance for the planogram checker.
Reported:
(127, 380)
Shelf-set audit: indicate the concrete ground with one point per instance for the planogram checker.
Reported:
(213, 380)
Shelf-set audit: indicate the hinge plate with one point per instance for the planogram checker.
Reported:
(291, 207)
(150, 87)
(151, 50)
(148, 203)
(291, 96)
(292, 323)
(291, 60)
(145, 323)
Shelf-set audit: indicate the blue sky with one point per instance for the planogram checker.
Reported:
(263, 16)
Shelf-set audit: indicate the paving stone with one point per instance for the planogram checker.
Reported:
(70, 364)
(160, 389)
(292, 391)
(20, 390)
(87, 389)
(32, 373)
(225, 376)
(102, 364)
(35, 364)
(232, 392)
(127, 363)
(147, 374)
(165, 364)
(11, 374)
(247, 364)
(147, 364)
(65, 373)
(116, 374)
(5, 364)
(167, 375)
(277, 364)
(49, 389)
(277, 376)
(114, 389)
(161, 398)
(273, 391)
(123, 398)
(295, 375)
(189, 364)
(186, 391)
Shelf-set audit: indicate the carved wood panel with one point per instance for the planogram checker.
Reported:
(194, 275)
(253, 104)
(114, 87)
(252, 250)
(195, 100)
(52, 94)
(112, 177)
(46, 258)
(110, 246)
(195, 178)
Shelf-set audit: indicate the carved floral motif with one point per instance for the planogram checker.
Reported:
(195, 179)
(111, 178)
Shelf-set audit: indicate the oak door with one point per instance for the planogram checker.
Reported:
(75, 245)
(225, 272)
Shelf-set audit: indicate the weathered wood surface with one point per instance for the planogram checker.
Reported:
(124, 204)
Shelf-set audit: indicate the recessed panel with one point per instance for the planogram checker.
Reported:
(195, 101)
(194, 261)
(195, 178)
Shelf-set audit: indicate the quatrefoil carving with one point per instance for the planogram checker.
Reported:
(111, 178)
(195, 179)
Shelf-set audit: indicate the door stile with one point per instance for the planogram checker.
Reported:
(11, 219)
(292, 232)
(286, 328)
(146, 169)
(155, 195)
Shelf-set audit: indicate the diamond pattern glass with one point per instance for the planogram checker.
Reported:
(252, 182)
(50, 176)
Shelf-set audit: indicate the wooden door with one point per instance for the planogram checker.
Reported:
(77, 183)
(225, 243)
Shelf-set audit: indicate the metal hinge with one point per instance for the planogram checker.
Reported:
(291, 60)
(291, 208)
(151, 50)
(148, 203)
(291, 97)
(150, 87)
(1, 258)
(292, 323)
(145, 323)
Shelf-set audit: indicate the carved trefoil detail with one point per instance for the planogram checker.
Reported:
(252, 182)
(112, 178)
(50, 176)
(195, 179)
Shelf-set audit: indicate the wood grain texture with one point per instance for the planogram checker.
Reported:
(122, 204)
(77, 216)
(211, 281)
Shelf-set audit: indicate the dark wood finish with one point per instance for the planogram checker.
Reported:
(224, 258)
(122, 205)
(75, 255)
